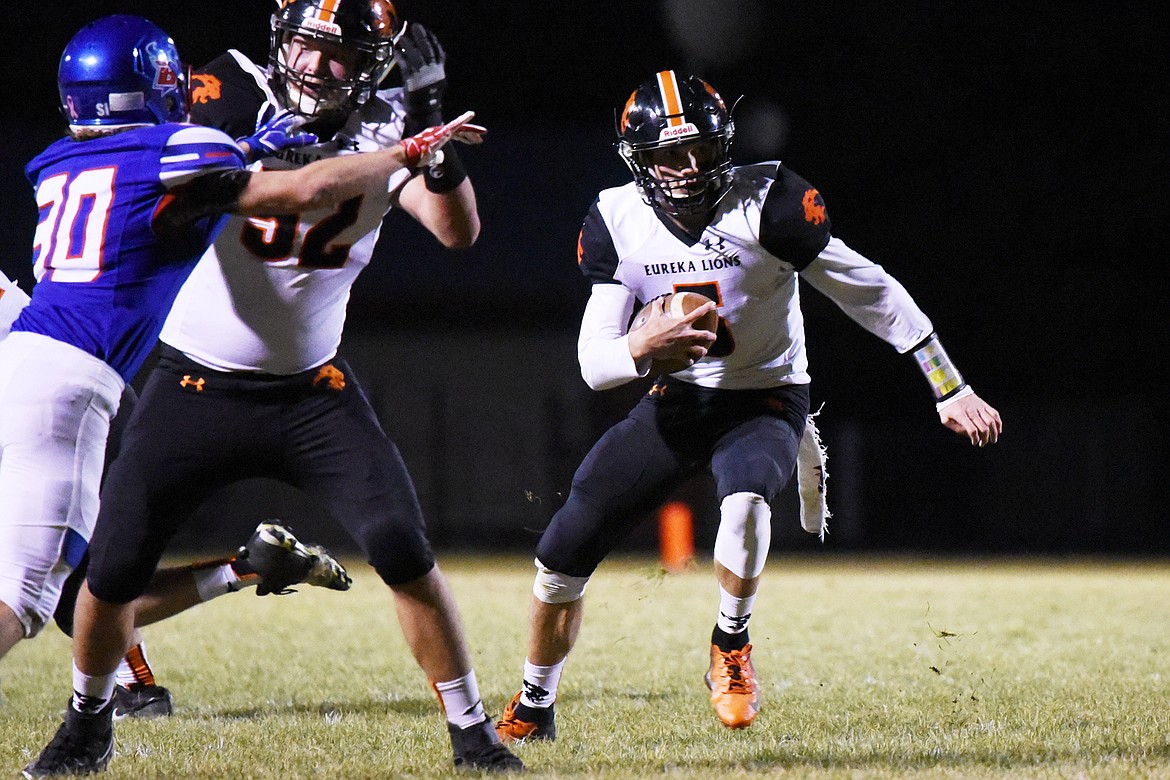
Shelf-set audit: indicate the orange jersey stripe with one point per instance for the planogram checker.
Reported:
(671, 100)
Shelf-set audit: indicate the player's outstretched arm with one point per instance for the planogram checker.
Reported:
(328, 182)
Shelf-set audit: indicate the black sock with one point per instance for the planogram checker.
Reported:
(727, 642)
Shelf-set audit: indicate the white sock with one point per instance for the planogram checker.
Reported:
(540, 684)
(734, 612)
(126, 675)
(91, 693)
(213, 583)
(461, 701)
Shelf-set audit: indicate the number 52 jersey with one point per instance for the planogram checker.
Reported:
(270, 295)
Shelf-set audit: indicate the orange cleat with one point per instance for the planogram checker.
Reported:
(735, 694)
(520, 723)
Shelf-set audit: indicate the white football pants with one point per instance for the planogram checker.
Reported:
(56, 403)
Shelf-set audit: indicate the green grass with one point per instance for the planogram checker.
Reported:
(870, 668)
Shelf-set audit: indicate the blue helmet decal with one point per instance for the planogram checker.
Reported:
(121, 70)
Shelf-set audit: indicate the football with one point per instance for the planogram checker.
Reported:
(677, 305)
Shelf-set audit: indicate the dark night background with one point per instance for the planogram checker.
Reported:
(1005, 161)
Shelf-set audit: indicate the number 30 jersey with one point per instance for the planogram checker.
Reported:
(270, 295)
(105, 279)
(771, 226)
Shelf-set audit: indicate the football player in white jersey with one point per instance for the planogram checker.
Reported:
(739, 235)
(249, 383)
(128, 203)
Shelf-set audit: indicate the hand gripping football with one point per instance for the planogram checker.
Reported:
(677, 305)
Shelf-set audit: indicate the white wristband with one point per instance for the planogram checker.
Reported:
(966, 391)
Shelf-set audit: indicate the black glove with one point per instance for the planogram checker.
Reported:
(422, 59)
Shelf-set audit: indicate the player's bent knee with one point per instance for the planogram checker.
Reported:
(552, 587)
(745, 533)
(26, 612)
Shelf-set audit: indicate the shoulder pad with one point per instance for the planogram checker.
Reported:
(228, 93)
(596, 255)
(794, 223)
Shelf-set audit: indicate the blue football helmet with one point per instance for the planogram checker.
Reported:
(121, 71)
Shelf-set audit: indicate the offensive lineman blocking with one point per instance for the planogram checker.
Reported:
(129, 201)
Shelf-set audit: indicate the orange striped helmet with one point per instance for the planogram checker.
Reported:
(681, 120)
(368, 28)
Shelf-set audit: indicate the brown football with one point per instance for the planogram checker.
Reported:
(677, 305)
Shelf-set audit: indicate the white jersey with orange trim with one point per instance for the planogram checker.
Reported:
(771, 226)
(12, 300)
(270, 295)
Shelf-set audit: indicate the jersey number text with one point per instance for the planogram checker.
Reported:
(274, 238)
(69, 239)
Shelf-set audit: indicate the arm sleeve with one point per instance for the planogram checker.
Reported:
(868, 295)
(212, 193)
(603, 347)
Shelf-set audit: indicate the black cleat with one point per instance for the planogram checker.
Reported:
(142, 701)
(281, 561)
(83, 745)
(477, 747)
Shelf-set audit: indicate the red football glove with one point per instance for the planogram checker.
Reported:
(425, 149)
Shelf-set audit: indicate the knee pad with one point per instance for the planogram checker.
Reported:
(555, 588)
(745, 532)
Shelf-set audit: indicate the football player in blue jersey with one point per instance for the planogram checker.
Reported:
(128, 203)
(271, 560)
(256, 332)
(690, 221)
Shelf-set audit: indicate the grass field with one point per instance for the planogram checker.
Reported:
(869, 668)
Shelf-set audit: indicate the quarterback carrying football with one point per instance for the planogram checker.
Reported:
(690, 221)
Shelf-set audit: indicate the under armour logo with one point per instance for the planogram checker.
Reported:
(534, 692)
(738, 623)
(657, 389)
(86, 704)
(187, 381)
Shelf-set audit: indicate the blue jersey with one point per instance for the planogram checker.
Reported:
(105, 279)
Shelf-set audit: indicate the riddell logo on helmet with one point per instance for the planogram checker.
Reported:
(320, 25)
(678, 132)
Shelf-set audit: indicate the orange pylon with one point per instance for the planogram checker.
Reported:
(676, 535)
